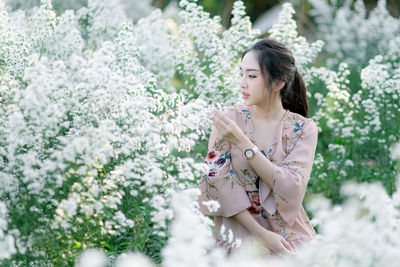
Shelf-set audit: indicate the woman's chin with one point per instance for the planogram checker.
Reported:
(248, 102)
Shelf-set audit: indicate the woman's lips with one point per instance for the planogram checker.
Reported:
(244, 95)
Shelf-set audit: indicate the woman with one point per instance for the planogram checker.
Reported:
(260, 154)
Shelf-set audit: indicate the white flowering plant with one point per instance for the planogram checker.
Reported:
(88, 142)
(353, 34)
(354, 102)
(355, 98)
(207, 56)
(91, 143)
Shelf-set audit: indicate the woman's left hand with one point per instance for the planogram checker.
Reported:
(228, 129)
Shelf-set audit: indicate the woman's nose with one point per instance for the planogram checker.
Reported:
(243, 82)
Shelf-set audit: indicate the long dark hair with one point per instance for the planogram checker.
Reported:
(277, 63)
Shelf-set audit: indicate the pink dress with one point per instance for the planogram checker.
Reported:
(236, 186)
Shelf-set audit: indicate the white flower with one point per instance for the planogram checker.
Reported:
(92, 258)
(395, 153)
(7, 247)
(212, 205)
(133, 259)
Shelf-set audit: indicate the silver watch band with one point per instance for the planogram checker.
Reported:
(255, 149)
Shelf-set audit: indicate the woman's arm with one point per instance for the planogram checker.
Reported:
(288, 179)
(234, 135)
(219, 181)
(303, 154)
(261, 165)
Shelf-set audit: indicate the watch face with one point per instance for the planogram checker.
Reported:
(248, 153)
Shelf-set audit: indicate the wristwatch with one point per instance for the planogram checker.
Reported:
(250, 152)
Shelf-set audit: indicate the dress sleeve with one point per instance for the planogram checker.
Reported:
(220, 182)
(291, 175)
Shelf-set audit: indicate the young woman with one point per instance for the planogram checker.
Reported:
(260, 154)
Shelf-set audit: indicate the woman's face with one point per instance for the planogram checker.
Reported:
(252, 83)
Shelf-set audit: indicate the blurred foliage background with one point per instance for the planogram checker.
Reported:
(256, 8)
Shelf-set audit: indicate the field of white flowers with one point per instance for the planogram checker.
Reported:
(104, 123)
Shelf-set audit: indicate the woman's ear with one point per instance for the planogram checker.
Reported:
(278, 85)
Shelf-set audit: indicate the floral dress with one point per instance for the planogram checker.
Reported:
(236, 186)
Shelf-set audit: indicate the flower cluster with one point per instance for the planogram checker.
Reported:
(362, 34)
(86, 133)
(285, 31)
(7, 246)
(369, 237)
(207, 55)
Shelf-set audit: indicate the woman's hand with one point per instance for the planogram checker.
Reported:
(275, 242)
(227, 128)
(272, 241)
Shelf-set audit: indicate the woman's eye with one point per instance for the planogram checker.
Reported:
(252, 76)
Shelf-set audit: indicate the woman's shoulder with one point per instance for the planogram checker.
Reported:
(298, 123)
(297, 127)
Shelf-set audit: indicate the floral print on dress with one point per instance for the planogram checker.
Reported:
(216, 161)
(248, 178)
(298, 127)
(266, 155)
(245, 112)
(289, 165)
(220, 162)
(296, 130)
(211, 155)
(280, 227)
(255, 208)
(234, 178)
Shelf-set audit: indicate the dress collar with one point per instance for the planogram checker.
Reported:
(250, 130)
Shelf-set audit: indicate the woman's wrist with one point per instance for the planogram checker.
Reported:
(247, 221)
(259, 231)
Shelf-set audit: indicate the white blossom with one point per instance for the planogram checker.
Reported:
(92, 258)
(211, 205)
(131, 259)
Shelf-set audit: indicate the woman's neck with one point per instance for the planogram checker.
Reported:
(265, 113)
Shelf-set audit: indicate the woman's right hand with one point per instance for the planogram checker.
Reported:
(275, 242)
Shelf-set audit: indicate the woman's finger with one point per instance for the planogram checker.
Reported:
(220, 121)
(287, 246)
(219, 126)
(216, 121)
(224, 118)
(218, 114)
